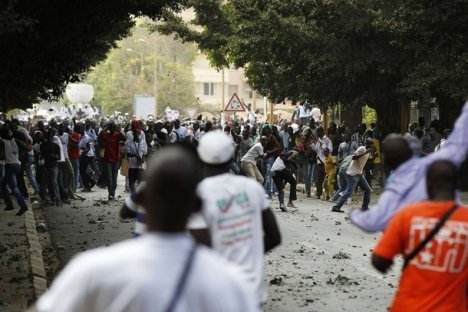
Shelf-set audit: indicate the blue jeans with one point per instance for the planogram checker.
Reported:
(353, 181)
(309, 176)
(49, 182)
(112, 171)
(343, 185)
(267, 173)
(31, 178)
(11, 171)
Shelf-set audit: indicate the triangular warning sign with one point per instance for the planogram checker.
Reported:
(234, 105)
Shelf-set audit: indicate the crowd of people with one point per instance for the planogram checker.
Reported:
(214, 181)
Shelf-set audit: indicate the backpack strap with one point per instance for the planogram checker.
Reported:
(430, 236)
(182, 280)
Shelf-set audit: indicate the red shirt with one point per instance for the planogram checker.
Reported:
(112, 150)
(73, 150)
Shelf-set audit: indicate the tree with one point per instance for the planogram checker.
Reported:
(118, 78)
(47, 44)
(375, 52)
(434, 34)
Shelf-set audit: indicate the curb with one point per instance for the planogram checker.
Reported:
(38, 272)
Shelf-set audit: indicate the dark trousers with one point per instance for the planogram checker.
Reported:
(62, 180)
(134, 175)
(88, 179)
(11, 172)
(368, 170)
(21, 182)
(280, 178)
(320, 177)
(112, 171)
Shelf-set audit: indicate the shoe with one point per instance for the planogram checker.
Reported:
(291, 205)
(22, 211)
(66, 201)
(8, 208)
(334, 209)
(308, 195)
(283, 208)
(110, 197)
(317, 197)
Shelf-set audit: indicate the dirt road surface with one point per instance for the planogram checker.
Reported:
(323, 263)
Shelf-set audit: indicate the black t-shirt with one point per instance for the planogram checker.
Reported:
(47, 150)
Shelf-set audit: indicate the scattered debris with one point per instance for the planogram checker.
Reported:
(278, 281)
(41, 228)
(342, 280)
(341, 255)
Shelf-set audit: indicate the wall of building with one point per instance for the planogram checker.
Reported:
(208, 84)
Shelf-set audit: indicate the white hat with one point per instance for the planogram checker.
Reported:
(360, 151)
(164, 130)
(215, 148)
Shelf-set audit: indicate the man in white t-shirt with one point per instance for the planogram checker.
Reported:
(163, 270)
(354, 177)
(237, 216)
(249, 161)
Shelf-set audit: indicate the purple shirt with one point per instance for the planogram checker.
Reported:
(408, 183)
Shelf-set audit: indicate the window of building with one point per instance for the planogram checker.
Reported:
(208, 88)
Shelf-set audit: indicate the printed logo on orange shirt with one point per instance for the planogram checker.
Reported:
(446, 252)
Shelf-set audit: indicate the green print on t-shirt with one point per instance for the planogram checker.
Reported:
(240, 199)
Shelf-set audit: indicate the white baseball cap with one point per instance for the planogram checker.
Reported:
(215, 148)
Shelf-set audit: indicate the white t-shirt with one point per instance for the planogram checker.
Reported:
(232, 209)
(64, 141)
(141, 275)
(357, 165)
(253, 153)
(57, 141)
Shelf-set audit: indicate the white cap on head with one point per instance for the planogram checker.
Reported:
(360, 151)
(215, 148)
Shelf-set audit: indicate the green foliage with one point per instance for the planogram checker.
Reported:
(119, 78)
(369, 115)
(383, 53)
(47, 44)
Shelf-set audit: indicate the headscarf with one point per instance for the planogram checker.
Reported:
(136, 124)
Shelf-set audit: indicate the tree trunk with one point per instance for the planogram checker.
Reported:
(389, 117)
(352, 115)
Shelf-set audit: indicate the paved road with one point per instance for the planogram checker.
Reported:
(304, 274)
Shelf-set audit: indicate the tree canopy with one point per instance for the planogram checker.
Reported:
(47, 44)
(381, 53)
(118, 78)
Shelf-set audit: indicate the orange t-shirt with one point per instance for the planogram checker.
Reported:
(436, 279)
